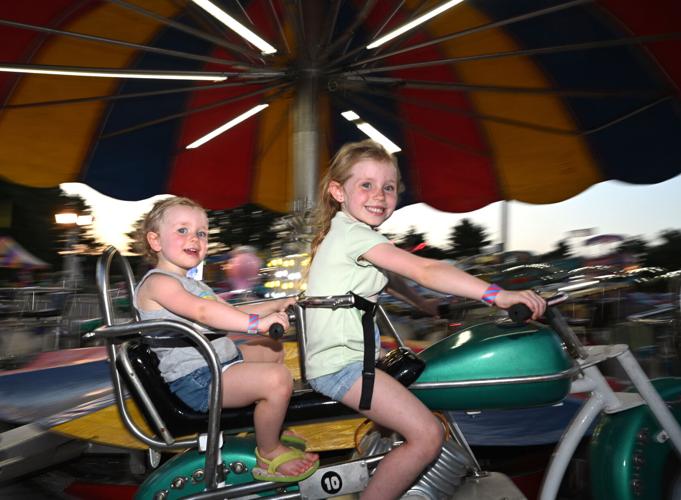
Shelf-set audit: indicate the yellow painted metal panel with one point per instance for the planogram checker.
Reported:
(105, 426)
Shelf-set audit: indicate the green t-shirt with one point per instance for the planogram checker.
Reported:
(334, 337)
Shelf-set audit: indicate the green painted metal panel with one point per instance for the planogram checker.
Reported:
(185, 466)
(495, 351)
(625, 456)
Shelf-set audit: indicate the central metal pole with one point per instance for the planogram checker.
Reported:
(503, 245)
(306, 141)
(306, 136)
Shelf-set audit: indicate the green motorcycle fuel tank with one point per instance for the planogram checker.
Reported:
(495, 366)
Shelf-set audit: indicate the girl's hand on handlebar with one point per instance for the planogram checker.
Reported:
(276, 317)
(507, 298)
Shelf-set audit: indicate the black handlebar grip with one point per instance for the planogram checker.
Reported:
(276, 331)
(519, 313)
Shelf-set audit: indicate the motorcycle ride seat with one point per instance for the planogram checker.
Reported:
(181, 420)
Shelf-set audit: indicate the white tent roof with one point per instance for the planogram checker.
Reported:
(13, 255)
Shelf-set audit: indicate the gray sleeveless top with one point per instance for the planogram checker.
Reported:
(176, 362)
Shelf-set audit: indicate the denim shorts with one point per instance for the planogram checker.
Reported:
(336, 385)
(193, 388)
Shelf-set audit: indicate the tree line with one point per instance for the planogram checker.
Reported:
(467, 239)
(32, 224)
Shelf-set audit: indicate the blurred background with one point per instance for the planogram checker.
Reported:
(537, 140)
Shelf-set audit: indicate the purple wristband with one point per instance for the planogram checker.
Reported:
(253, 320)
(490, 294)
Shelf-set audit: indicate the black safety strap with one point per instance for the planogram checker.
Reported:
(368, 309)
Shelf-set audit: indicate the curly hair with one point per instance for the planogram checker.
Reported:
(152, 222)
(340, 171)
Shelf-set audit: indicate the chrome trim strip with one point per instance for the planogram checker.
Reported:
(569, 373)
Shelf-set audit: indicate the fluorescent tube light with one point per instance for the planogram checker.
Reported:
(110, 73)
(413, 24)
(235, 26)
(350, 115)
(371, 131)
(227, 126)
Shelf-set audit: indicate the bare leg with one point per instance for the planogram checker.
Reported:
(395, 408)
(265, 350)
(269, 385)
(262, 350)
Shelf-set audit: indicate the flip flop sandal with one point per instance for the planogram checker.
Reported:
(271, 473)
(293, 441)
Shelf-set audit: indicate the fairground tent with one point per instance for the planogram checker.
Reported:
(14, 256)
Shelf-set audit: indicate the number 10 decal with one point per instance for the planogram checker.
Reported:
(331, 482)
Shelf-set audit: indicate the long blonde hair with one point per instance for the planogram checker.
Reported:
(152, 222)
(340, 171)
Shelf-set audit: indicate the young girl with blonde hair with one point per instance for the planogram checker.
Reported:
(175, 236)
(358, 193)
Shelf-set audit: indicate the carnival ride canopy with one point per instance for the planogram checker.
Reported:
(530, 100)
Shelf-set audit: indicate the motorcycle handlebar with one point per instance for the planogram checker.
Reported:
(520, 313)
(276, 331)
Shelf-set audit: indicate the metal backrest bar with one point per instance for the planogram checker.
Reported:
(116, 333)
(103, 272)
(142, 393)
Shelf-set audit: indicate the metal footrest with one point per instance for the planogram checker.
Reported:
(494, 486)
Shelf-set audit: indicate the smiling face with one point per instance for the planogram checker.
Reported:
(370, 194)
(182, 239)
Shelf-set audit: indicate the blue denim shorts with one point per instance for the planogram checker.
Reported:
(336, 385)
(194, 387)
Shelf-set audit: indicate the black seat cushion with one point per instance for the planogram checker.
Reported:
(181, 420)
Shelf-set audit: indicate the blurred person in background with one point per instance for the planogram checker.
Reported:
(241, 271)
